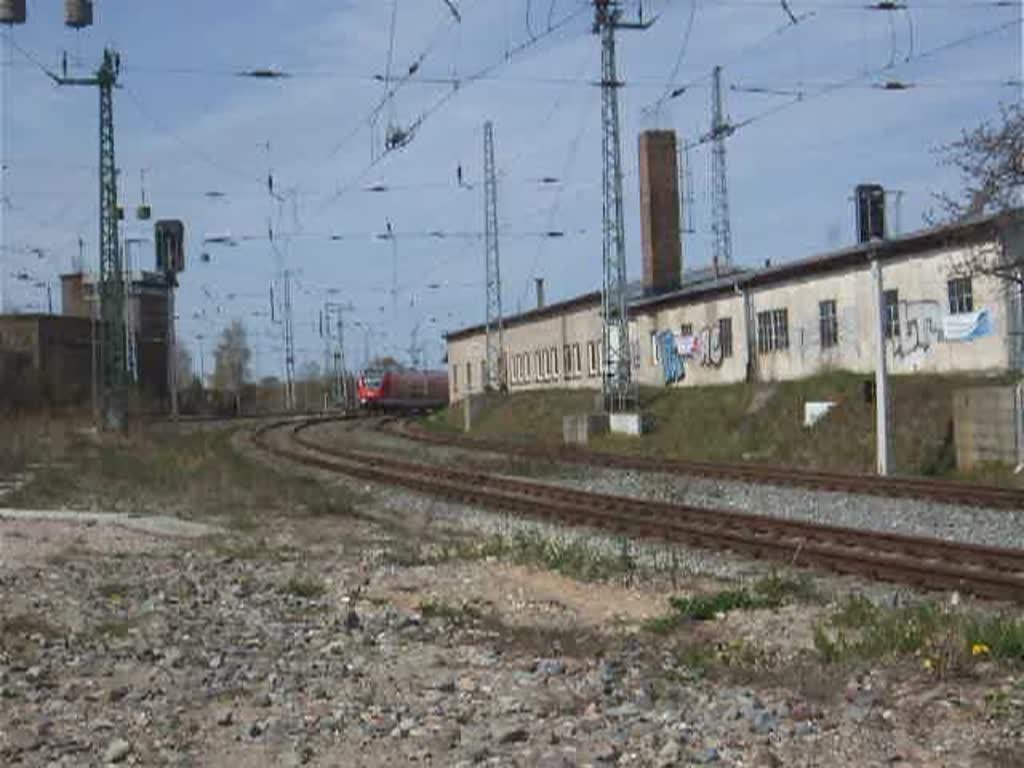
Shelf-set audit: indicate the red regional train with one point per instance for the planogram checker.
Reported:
(395, 389)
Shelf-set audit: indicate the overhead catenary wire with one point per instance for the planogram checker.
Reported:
(450, 94)
(804, 97)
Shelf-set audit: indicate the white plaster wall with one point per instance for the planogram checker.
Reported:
(701, 316)
(574, 327)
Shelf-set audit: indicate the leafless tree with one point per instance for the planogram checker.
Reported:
(990, 159)
(183, 373)
(232, 356)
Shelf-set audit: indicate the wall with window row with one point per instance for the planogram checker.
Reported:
(781, 331)
(561, 351)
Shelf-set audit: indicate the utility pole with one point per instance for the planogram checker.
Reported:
(882, 424)
(495, 320)
(289, 344)
(616, 380)
(721, 225)
(340, 372)
(111, 285)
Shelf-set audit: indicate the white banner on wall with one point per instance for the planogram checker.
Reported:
(967, 326)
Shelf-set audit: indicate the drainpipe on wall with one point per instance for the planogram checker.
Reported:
(748, 331)
(882, 424)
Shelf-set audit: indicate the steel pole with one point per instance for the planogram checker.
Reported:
(884, 444)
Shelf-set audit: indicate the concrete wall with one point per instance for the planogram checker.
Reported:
(986, 426)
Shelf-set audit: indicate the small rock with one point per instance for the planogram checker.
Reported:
(352, 621)
(668, 754)
(549, 667)
(705, 756)
(763, 721)
(225, 718)
(117, 751)
(514, 735)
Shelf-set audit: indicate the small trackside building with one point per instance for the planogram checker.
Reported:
(785, 322)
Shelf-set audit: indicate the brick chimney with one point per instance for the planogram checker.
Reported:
(659, 212)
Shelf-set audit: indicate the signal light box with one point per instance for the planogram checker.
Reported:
(170, 246)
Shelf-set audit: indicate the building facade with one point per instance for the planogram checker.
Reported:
(784, 322)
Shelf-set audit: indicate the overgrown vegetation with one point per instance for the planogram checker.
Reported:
(460, 614)
(578, 557)
(195, 474)
(306, 588)
(754, 422)
(772, 591)
(945, 640)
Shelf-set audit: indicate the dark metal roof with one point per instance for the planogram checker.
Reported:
(903, 245)
(569, 305)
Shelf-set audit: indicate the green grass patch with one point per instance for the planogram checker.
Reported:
(757, 422)
(457, 614)
(772, 591)
(944, 639)
(307, 588)
(193, 473)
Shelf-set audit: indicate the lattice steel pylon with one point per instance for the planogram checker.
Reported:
(113, 347)
(616, 379)
(495, 323)
(721, 224)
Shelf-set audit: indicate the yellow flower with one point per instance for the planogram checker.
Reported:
(979, 649)
(927, 663)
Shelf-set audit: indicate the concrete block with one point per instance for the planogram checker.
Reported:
(473, 405)
(578, 428)
(985, 426)
(627, 424)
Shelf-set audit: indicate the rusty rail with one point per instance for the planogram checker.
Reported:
(872, 485)
(990, 572)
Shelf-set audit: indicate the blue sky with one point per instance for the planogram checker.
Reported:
(197, 128)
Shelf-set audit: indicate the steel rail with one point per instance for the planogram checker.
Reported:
(989, 572)
(899, 487)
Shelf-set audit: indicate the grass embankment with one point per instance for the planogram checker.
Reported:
(748, 422)
(194, 474)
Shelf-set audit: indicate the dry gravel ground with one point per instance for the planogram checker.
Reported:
(377, 635)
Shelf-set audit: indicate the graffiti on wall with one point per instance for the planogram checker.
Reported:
(920, 325)
(712, 354)
(672, 366)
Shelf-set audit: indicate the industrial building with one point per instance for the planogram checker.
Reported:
(723, 324)
(50, 358)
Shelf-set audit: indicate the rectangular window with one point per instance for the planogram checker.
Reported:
(961, 296)
(655, 355)
(455, 379)
(772, 330)
(567, 360)
(527, 372)
(592, 358)
(576, 360)
(686, 329)
(828, 323)
(554, 362)
(725, 336)
(469, 376)
(892, 314)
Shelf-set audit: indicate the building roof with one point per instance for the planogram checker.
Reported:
(701, 282)
(582, 301)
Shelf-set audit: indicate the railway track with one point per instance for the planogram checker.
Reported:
(989, 572)
(896, 487)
